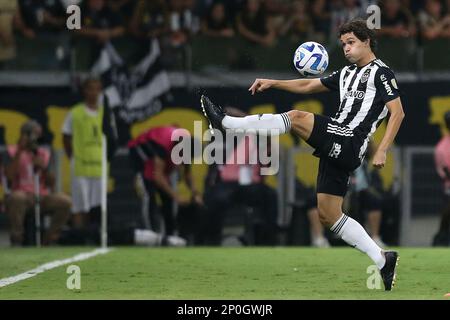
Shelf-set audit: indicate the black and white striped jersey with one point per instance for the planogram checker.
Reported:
(364, 92)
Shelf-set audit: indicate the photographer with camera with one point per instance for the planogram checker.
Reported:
(31, 184)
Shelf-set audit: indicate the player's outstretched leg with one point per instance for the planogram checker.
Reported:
(214, 113)
(353, 233)
(266, 124)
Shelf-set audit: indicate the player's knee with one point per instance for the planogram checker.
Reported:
(325, 214)
(299, 118)
(297, 115)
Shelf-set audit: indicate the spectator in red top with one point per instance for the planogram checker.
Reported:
(442, 160)
(151, 156)
(28, 159)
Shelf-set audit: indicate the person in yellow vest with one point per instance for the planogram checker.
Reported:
(82, 137)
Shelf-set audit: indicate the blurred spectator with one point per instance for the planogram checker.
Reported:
(298, 24)
(277, 11)
(124, 8)
(447, 7)
(321, 19)
(414, 6)
(239, 182)
(42, 16)
(99, 22)
(182, 21)
(216, 23)
(442, 160)
(151, 157)
(344, 11)
(396, 21)
(254, 25)
(8, 13)
(433, 23)
(28, 159)
(150, 19)
(82, 137)
(369, 194)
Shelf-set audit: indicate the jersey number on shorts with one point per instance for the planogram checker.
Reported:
(335, 150)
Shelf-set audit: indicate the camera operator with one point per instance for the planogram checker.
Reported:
(27, 160)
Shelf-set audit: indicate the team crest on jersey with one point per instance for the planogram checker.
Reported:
(394, 83)
(365, 76)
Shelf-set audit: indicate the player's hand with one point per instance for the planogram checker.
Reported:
(260, 85)
(379, 159)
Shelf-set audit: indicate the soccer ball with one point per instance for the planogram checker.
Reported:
(311, 59)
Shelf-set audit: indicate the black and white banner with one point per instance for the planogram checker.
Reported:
(134, 94)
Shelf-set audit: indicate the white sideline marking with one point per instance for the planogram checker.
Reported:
(51, 265)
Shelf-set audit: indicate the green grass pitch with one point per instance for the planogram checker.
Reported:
(292, 273)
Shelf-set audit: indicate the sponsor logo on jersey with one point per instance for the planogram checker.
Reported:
(386, 85)
(355, 94)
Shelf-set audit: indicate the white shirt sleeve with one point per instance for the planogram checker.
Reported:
(67, 125)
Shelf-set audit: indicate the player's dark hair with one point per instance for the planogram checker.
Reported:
(447, 119)
(359, 28)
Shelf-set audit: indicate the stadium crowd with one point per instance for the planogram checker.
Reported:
(176, 22)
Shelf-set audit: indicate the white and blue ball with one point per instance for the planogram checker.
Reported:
(311, 59)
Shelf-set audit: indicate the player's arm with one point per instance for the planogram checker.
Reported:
(67, 135)
(396, 117)
(386, 86)
(302, 86)
(67, 142)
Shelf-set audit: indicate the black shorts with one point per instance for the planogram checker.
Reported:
(339, 151)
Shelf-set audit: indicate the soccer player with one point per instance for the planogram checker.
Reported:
(368, 91)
